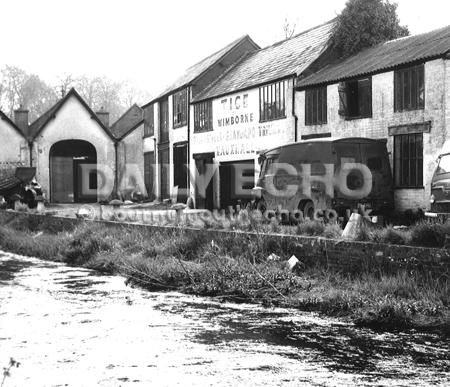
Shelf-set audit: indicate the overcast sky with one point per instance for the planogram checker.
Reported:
(151, 42)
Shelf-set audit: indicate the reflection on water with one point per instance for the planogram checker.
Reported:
(71, 327)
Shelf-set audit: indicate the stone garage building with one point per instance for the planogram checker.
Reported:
(69, 143)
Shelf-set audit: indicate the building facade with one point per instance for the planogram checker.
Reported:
(167, 123)
(398, 91)
(248, 110)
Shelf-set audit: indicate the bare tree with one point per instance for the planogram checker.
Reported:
(65, 83)
(289, 28)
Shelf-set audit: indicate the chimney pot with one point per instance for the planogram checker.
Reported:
(21, 119)
(103, 115)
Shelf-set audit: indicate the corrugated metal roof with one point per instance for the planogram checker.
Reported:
(196, 70)
(127, 122)
(384, 56)
(285, 58)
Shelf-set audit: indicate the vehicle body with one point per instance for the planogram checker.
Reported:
(440, 186)
(327, 156)
(21, 184)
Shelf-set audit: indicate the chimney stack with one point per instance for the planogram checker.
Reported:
(103, 116)
(21, 119)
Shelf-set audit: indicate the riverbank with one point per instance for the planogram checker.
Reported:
(233, 266)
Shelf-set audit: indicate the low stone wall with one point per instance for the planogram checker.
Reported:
(340, 255)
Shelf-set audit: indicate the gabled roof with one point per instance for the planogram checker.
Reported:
(286, 58)
(129, 121)
(37, 126)
(384, 57)
(195, 71)
(4, 117)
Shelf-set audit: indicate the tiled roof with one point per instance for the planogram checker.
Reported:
(384, 57)
(128, 121)
(196, 70)
(37, 126)
(285, 58)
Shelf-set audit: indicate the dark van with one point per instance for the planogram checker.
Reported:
(440, 187)
(326, 158)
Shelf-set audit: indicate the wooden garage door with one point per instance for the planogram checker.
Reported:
(61, 179)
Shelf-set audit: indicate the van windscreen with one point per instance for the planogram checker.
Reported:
(444, 165)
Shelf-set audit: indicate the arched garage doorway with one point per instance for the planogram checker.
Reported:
(73, 172)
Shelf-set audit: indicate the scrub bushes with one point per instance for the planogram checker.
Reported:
(234, 266)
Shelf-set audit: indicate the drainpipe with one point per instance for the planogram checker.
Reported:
(30, 148)
(116, 171)
(189, 141)
(293, 111)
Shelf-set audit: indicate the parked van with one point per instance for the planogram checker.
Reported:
(325, 157)
(440, 185)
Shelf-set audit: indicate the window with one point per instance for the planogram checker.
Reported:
(408, 160)
(179, 108)
(355, 98)
(409, 89)
(272, 101)
(203, 116)
(164, 121)
(149, 121)
(93, 179)
(316, 106)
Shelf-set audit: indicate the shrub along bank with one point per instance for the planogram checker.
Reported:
(234, 266)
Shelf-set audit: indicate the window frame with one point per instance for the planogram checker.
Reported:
(347, 99)
(405, 80)
(416, 161)
(272, 101)
(179, 108)
(316, 106)
(163, 119)
(203, 116)
(149, 121)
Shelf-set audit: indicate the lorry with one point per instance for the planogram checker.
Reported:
(362, 163)
(20, 185)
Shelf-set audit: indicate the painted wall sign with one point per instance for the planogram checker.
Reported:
(237, 131)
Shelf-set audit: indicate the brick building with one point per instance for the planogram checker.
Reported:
(398, 90)
(249, 109)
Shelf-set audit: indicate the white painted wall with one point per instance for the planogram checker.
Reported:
(131, 162)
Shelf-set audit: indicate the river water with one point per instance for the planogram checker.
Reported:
(71, 327)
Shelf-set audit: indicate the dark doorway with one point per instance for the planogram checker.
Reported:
(73, 172)
(180, 171)
(164, 172)
(232, 185)
(204, 161)
(149, 174)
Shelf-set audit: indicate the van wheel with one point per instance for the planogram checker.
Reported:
(308, 210)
